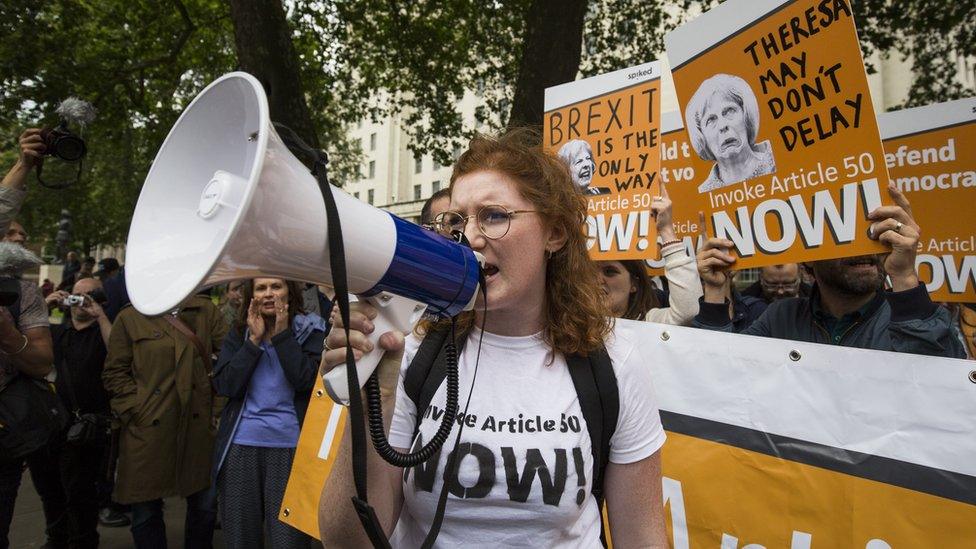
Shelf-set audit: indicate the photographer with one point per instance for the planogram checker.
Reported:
(79, 355)
(13, 190)
(25, 350)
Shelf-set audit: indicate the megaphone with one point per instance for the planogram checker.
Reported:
(225, 199)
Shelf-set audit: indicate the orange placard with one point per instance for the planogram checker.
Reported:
(775, 100)
(680, 168)
(722, 496)
(929, 153)
(315, 455)
(606, 129)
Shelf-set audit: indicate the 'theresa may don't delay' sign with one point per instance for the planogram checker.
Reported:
(775, 98)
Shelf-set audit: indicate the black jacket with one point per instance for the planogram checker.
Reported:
(906, 322)
(237, 361)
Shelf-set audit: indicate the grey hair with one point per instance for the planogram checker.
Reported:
(571, 149)
(15, 259)
(731, 87)
(76, 111)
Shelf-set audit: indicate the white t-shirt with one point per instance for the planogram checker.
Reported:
(525, 475)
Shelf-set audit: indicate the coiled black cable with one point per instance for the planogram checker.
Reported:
(374, 414)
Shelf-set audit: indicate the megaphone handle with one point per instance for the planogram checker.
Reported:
(395, 313)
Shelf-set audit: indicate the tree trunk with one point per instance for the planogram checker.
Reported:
(550, 55)
(264, 49)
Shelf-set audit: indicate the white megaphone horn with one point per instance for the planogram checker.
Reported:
(226, 200)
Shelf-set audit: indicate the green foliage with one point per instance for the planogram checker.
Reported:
(934, 35)
(141, 61)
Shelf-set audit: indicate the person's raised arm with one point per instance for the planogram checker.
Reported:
(683, 284)
(13, 189)
(339, 524)
(714, 261)
(917, 324)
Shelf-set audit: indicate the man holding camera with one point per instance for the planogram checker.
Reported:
(79, 355)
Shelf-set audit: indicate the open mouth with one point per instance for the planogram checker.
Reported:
(730, 142)
(490, 270)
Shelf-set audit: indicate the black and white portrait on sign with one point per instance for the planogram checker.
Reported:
(723, 121)
(578, 156)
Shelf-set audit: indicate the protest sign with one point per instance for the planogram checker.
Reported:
(680, 167)
(315, 455)
(775, 443)
(929, 153)
(606, 129)
(798, 445)
(775, 98)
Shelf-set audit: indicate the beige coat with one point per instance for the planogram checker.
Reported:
(162, 395)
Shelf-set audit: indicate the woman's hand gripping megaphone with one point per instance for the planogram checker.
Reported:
(377, 324)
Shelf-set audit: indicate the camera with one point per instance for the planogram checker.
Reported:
(60, 142)
(97, 295)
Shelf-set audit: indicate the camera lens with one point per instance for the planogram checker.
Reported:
(69, 148)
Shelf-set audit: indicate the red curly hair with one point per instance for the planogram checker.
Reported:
(576, 315)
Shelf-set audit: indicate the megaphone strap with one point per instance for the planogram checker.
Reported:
(337, 262)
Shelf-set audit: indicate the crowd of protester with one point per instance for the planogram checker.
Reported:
(207, 403)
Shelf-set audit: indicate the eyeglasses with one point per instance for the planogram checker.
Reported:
(786, 286)
(493, 221)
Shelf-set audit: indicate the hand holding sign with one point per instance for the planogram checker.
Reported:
(895, 226)
(661, 210)
(714, 262)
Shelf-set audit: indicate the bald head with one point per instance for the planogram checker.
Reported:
(86, 285)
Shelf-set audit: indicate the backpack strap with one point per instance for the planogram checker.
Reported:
(596, 389)
(427, 370)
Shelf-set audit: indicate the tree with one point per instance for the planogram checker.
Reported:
(934, 36)
(550, 55)
(142, 62)
(265, 49)
(138, 63)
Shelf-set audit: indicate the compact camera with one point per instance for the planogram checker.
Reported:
(73, 300)
(97, 295)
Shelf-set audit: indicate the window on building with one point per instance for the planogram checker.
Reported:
(372, 169)
(369, 196)
(355, 195)
(372, 141)
(416, 192)
(456, 152)
(418, 164)
(437, 165)
(359, 143)
(435, 186)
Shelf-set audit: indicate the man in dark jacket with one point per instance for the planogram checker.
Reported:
(79, 356)
(849, 305)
